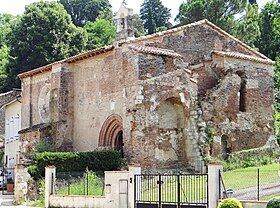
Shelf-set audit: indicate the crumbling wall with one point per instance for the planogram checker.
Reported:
(244, 117)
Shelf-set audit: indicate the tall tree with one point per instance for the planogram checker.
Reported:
(100, 33)
(6, 23)
(220, 12)
(269, 22)
(138, 26)
(247, 27)
(82, 11)
(155, 15)
(43, 35)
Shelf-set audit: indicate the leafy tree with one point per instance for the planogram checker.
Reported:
(100, 33)
(269, 22)
(138, 26)
(82, 11)
(6, 23)
(154, 15)
(43, 35)
(220, 12)
(247, 27)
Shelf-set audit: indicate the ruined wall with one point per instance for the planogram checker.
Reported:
(243, 117)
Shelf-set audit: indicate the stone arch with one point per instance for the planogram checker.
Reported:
(225, 147)
(111, 133)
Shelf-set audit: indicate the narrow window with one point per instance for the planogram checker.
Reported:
(242, 97)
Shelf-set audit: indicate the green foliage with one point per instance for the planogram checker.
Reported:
(210, 133)
(100, 33)
(269, 23)
(43, 35)
(230, 203)
(273, 203)
(138, 26)
(75, 161)
(89, 184)
(247, 28)
(220, 12)
(44, 145)
(154, 15)
(248, 158)
(82, 11)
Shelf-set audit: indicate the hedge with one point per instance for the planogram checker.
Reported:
(103, 160)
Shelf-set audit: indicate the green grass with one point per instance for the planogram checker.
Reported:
(247, 177)
(192, 188)
(89, 184)
(267, 198)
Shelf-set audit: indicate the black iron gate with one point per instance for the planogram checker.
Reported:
(171, 191)
(7, 180)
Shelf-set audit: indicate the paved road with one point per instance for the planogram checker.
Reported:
(6, 201)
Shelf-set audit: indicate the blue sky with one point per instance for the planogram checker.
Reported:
(17, 6)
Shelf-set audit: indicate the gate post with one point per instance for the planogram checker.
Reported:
(49, 184)
(214, 184)
(133, 170)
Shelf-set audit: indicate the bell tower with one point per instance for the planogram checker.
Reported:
(124, 20)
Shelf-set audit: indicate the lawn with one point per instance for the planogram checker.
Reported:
(248, 177)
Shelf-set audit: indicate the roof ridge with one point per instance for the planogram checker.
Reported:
(234, 54)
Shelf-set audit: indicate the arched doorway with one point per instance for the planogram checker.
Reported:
(111, 133)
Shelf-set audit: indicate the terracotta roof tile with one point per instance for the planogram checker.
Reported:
(155, 51)
(71, 59)
(243, 56)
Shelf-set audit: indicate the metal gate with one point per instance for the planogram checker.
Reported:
(7, 180)
(171, 191)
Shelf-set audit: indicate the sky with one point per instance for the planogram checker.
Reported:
(17, 6)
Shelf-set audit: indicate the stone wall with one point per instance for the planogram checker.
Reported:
(163, 101)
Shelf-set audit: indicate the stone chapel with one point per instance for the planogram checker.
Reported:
(162, 100)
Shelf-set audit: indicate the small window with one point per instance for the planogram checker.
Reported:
(242, 97)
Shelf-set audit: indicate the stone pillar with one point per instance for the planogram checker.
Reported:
(133, 170)
(214, 184)
(49, 184)
(20, 187)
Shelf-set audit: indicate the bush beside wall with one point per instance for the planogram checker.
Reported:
(103, 160)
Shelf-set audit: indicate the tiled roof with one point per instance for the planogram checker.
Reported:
(71, 59)
(243, 56)
(156, 51)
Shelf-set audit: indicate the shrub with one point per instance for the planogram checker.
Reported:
(230, 203)
(274, 203)
(103, 160)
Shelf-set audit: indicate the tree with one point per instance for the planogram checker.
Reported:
(82, 11)
(154, 15)
(269, 22)
(220, 12)
(138, 26)
(100, 33)
(6, 23)
(247, 27)
(43, 35)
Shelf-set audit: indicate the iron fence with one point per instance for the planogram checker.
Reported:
(171, 190)
(80, 183)
(251, 184)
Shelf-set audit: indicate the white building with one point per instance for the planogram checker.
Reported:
(12, 126)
